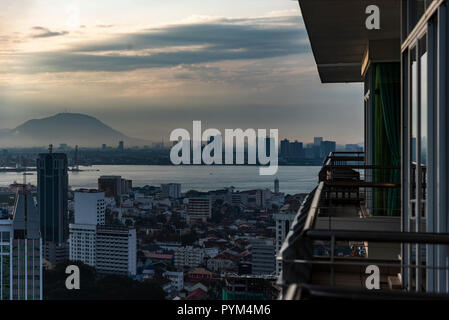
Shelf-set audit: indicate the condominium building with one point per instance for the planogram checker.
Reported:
(21, 251)
(83, 243)
(387, 206)
(188, 256)
(90, 207)
(114, 186)
(283, 222)
(89, 212)
(199, 209)
(116, 250)
(263, 256)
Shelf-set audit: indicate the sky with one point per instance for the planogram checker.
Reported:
(147, 67)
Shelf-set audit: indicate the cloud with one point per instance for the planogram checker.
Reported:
(46, 33)
(183, 44)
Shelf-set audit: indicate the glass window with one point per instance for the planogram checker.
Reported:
(423, 109)
(414, 104)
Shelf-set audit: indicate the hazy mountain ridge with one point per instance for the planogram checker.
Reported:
(70, 128)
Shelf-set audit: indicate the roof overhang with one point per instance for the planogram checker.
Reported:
(340, 39)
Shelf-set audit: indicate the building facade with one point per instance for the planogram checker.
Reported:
(199, 209)
(90, 207)
(283, 222)
(21, 251)
(172, 190)
(188, 256)
(116, 250)
(82, 242)
(263, 257)
(52, 193)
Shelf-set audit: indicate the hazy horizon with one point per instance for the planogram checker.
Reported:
(148, 67)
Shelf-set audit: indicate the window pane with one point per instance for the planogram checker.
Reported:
(414, 111)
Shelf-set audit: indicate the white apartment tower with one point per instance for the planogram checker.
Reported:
(90, 207)
(89, 212)
(111, 250)
(116, 250)
(283, 222)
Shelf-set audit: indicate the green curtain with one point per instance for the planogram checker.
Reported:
(387, 93)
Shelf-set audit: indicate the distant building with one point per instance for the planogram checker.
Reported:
(353, 148)
(121, 146)
(188, 256)
(317, 141)
(285, 146)
(126, 186)
(111, 186)
(263, 257)
(283, 223)
(276, 185)
(327, 147)
(249, 288)
(116, 250)
(52, 193)
(296, 149)
(172, 190)
(199, 209)
(176, 278)
(110, 249)
(20, 242)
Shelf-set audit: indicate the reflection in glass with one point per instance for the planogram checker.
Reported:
(414, 111)
(423, 110)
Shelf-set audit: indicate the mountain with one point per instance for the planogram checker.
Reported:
(70, 128)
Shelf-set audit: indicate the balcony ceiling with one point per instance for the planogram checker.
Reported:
(338, 35)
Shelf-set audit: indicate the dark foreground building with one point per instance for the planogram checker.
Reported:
(388, 206)
(52, 188)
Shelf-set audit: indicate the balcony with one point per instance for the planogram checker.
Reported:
(342, 227)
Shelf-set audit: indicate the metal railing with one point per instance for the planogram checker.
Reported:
(343, 183)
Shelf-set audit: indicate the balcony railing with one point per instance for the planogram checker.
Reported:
(342, 227)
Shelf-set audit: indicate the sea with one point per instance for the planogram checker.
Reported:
(292, 179)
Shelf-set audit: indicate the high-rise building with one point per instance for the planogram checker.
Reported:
(116, 250)
(121, 145)
(317, 141)
(263, 256)
(327, 147)
(21, 251)
(90, 207)
(111, 186)
(172, 190)
(283, 222)
(83, 243)
(199, 209)
(285, 148)
(52, 193)
(296, 149)
(89, 212)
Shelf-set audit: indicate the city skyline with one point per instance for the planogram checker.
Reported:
(250, 67)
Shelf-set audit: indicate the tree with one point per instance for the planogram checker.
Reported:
(97, 287)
